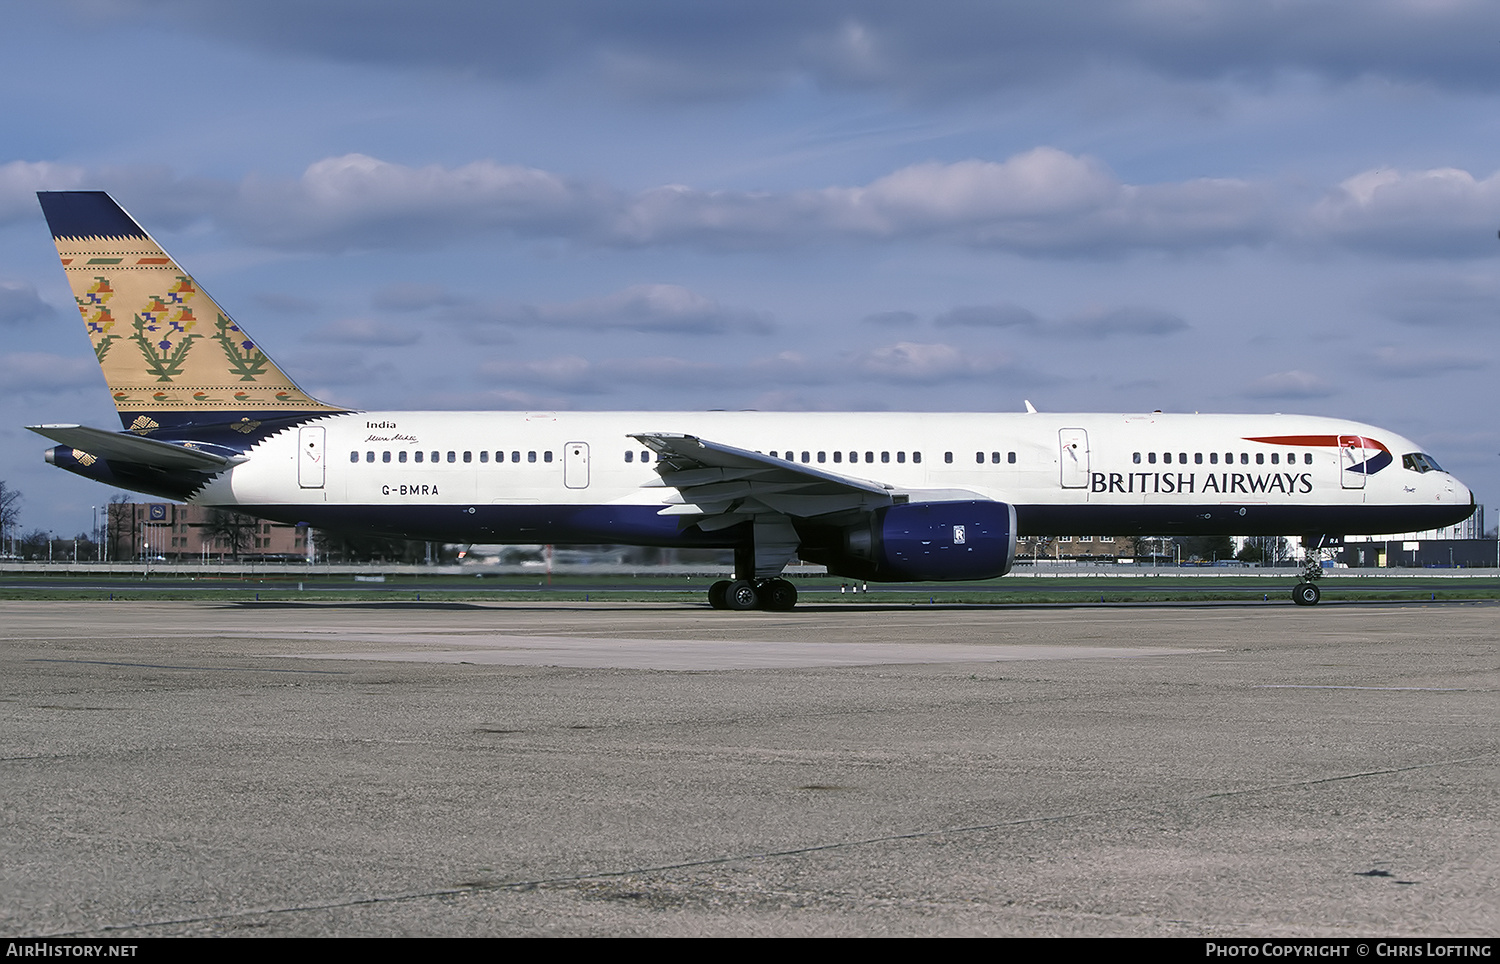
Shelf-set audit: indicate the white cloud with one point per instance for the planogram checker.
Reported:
(1290, 385)
(1409, 362)
(923, 363)
(29, 372)
(20, 180)
(20, 303)
(1127, 320)
(365, 331)
(646, 308)
(660, 50)
(1433, 212)
(1457, 301)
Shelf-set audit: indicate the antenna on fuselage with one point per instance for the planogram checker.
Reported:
(1030, 408)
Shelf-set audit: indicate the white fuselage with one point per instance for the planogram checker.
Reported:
(1066, 474)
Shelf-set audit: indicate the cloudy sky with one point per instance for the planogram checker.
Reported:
(1241, 206)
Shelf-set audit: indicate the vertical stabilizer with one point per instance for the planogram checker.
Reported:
(170, 354)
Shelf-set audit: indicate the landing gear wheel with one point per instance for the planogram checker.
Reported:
(741, 595)
(778, 595)
(716, 594)
(1306, 594)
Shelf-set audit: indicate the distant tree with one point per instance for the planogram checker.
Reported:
(10, 511)
(1265, 550)
(230, 528)
(362, 547)
(1206, 548)
(34, 544)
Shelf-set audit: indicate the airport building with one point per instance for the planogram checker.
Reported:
(186, 533)
(1460, 546)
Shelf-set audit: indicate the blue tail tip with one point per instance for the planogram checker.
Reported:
(86, 214)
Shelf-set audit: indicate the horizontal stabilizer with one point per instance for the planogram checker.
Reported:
(132, 448)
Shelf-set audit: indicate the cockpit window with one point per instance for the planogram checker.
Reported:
(1418, 462)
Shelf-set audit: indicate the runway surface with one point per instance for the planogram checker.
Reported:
(518, 769)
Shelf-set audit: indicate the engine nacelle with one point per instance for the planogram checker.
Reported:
(927, 541)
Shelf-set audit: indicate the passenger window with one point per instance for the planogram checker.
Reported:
(1213, 458)
(1307, 458)
(1197, 458)
(994, 458)
(646, 456)
(1010, 457)
(484, 456)
(869, 456)
(531, 456)
(516, 457)
(468, 457)
(416, 456)
(853, 457)
(1260, 458)
(437, 456)
(1151, 457)
(979, 457)
(948, 457)
(630, 456)
(369, 456)
(354, 456)
(806, 457)
(452, 456)
(900, 456)
(1182, 458)
(401, 456)
(916, 457)
(838, 456)
(1275, 458)
(1136, 458)
(884, 457)
(1244, 458)
(1167, 457)
(385, 456)
(822, 457)
(546, 456)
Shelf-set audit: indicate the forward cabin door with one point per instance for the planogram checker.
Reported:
(1352, 456)
(1073, 456)
(310, 461)
(576, 465)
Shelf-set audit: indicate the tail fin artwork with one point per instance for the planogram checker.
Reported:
(171, 356)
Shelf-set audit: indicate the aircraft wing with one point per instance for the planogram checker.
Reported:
(719, 485)
(133, 448)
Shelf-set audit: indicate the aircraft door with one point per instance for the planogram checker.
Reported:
(1073, 456)
(1352, 458)
(576, 465)
(310, 461)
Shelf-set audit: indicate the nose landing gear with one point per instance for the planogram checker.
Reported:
(1306, 592)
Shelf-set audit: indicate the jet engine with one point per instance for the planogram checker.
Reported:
(925, 541)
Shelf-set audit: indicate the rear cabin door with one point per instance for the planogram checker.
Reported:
(1073, 456)
(311, 464)
(576, 465)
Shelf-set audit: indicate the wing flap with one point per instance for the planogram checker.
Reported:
(722, 485)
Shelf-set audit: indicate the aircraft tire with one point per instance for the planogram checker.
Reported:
(741, 596)
(778, 595)
(1306, 594)
(716, 594)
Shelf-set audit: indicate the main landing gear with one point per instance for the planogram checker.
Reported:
(776, 595)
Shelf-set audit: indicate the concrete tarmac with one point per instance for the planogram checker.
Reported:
(597, 769)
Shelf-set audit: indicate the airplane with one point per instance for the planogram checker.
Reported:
(210, 419)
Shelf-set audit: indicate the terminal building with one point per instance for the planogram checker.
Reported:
(192, 533)
(1461, 546)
